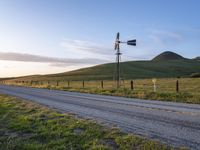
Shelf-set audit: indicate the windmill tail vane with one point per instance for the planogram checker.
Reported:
(131, 42)
(117, 42)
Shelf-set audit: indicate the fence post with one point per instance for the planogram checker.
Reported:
(68, 83)
(102, 84)
(57, 83)
(83, 84)
(132, 85)
(177, 86)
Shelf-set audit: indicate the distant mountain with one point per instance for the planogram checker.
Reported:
(197, 58)
(167, 55)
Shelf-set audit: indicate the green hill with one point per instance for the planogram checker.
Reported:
(165, 65)
(168, 56)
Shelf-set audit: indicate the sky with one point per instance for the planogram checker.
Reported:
(52, 36)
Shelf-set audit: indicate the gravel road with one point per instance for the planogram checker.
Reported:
(176, 124)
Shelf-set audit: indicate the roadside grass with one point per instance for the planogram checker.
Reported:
(189, 88)
(28, 126)
(183, 97)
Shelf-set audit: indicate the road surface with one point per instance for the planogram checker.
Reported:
(176, 124)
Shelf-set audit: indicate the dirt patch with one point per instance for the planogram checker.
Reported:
(78, 131)
(11, 134)
(110, 143)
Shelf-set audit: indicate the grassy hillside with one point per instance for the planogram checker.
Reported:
(130, 70)
(1, 79)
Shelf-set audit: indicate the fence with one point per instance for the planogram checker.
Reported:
(162, 85)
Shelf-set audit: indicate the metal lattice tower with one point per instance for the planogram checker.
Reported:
(118, 53)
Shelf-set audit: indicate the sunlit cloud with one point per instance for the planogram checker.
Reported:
(53, 61)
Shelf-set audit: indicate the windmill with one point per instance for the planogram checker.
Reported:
(117, 47)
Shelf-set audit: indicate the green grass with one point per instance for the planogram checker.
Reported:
(28, 126)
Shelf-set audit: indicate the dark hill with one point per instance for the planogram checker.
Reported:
(197, 58)
(165, 56)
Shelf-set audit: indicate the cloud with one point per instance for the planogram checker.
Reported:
(164, 38)
(86, 46)
(93, 49)
(192, 30)
(54, 61)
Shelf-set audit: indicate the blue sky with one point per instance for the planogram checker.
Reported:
(49, 36)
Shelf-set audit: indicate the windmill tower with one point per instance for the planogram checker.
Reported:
(118, 56)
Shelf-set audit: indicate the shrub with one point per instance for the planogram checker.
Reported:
(195, 75)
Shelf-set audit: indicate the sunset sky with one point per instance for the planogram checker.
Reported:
(51, 36)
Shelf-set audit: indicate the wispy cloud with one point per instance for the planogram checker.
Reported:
(86, 47)
(192, 30)
(93, 49)
(164, 38)
(54, 61)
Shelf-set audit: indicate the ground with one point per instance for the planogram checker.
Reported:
(26, 125)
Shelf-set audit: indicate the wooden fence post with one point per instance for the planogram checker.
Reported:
(102, 84)
(57, 83)
(83, 84)
(177, 86)
(68, 83)
(132, 85)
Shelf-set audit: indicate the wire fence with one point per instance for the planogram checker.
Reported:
(161, 85)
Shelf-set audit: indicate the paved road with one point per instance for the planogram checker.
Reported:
(173, 123)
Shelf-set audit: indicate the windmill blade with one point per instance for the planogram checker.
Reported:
(131, 42)
(117, 37)
(117, 42)
(116, 46)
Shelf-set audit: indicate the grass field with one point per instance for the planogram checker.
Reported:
(29, 126)
(189, 88)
